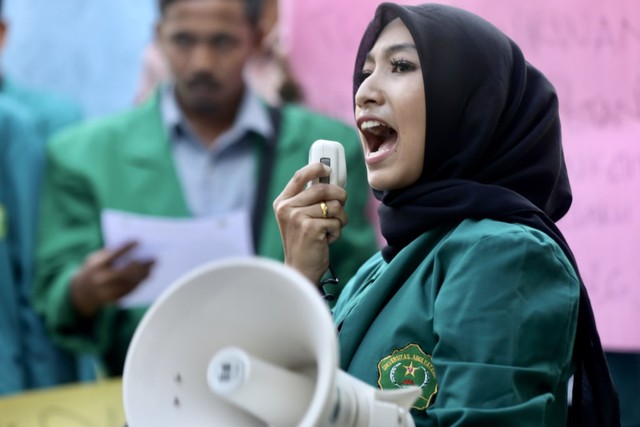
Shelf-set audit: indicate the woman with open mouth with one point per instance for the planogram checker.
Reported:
(476, 298)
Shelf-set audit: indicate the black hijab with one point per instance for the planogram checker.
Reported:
(492, 150)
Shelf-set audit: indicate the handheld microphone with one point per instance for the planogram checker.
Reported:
(331, 153)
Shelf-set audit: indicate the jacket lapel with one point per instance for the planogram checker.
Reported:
(149, 165)
(359, 320)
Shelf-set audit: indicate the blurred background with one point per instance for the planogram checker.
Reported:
(90, 51)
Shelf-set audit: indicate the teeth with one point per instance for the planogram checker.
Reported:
(381, 132)
(376, 128)
(381, 150)
(370, 124)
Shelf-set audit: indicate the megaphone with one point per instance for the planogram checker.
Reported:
(247, 342)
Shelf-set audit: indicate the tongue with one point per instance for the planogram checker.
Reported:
(389, 142)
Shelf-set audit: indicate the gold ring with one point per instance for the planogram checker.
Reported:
(325, 210)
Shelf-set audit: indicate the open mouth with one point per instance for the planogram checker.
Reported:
(380, 137)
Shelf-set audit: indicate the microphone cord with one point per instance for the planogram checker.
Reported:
(331, 280)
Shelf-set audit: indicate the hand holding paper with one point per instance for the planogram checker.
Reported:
(178, 245)
(106, 277)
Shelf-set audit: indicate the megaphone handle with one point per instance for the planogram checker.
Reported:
(269, 392)
(374, 408)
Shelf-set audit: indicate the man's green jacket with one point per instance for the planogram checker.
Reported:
(124, 162)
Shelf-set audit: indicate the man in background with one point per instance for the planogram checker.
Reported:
(204, 145)
(267, 72)
(28, 358)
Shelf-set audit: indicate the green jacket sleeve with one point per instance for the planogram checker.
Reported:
(505, 320)
(69, 229)
(487, 310)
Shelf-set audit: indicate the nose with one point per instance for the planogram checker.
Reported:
(369, 92)
(202, 58)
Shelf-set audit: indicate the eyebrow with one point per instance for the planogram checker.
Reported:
(393, 49)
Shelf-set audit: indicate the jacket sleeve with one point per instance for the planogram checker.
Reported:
(505, 318)
(69, 230)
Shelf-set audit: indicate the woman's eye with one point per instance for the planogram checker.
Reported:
(402, 66)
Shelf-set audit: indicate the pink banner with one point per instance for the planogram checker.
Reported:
(590, 50)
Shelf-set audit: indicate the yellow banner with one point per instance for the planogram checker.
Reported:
(86, 405)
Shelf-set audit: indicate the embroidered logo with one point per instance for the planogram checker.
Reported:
(407, 367)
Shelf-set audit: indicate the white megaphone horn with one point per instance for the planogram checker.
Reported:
(248, 342)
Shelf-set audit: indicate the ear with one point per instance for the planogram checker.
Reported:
(3, 33)
(258, 38)
(255, 48)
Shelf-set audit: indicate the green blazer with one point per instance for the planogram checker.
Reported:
(481, 315)
(28, 358)
(124, 162)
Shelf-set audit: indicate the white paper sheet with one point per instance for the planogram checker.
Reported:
(178, 245)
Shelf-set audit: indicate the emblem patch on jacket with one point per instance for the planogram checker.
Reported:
(409, 366)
